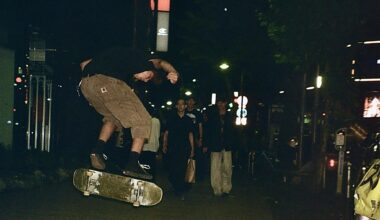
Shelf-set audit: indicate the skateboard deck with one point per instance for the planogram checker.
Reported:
(122, 188)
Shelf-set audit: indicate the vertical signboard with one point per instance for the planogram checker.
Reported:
(162, 37)
(241, 112)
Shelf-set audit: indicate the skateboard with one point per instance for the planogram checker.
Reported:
(122, 188)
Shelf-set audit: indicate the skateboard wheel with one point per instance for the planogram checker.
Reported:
(133, 195)
(89, 173)
(136, 204)
(86, 193)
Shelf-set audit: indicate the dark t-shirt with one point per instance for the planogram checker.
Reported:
(119, 62)
(179, 129)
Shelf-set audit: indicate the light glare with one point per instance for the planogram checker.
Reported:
(319, 81)
(224, 66)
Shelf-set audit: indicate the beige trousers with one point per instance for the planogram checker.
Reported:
(116, 101)
(221, 172)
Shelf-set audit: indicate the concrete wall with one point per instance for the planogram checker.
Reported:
(7, 62)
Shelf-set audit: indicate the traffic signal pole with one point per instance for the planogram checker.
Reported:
(340, 144)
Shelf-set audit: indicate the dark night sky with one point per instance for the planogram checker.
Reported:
(84, 27)
(78, 28)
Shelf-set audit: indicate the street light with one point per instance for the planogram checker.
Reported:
(188, 93)
(224, 66)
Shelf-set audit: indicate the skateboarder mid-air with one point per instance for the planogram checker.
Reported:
(106, 86)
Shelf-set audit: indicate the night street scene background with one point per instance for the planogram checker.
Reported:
(309, 71)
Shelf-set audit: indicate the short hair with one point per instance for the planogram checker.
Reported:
(190, 97)
(181, 98)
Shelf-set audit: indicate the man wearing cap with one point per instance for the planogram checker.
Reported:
(106, 86)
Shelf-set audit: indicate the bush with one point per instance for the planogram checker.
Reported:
(24, 169)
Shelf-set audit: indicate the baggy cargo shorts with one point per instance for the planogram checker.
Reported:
(118, 104)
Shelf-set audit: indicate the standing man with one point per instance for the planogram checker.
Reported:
(178, 143)
(106, 86)
(219, 141)
(197, 119)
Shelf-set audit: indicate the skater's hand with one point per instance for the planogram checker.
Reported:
(172, 77)
(144, 76)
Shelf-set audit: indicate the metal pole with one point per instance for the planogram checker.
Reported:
(241, 93)
(348, 195)
(315, 113)
(340, 170)
(50, 88)
(324, 174)
(134, 38)
(30, 102)
(36, 115)
(303, 100)
(43, 113)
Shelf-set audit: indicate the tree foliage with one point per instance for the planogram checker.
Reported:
(307, 31)
(311, 33)
(228, 31)
(312, 36)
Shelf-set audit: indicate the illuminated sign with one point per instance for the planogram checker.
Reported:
(163, 5)
(241, 112)
(162, 31)
(162, 38)
(213, 98)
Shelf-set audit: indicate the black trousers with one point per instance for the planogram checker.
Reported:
(201, 167)
(177, 169)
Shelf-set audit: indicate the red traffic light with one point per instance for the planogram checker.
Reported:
(18, 79)
(331, 161)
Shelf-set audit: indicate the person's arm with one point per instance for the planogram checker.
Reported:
(84, 63)
(200, 128)
(172, 75)
(191, 140)
(165, 142)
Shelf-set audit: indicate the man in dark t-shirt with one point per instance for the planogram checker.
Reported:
(105, 85)
(178, 143)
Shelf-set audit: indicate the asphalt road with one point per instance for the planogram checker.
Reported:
(248, 200)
